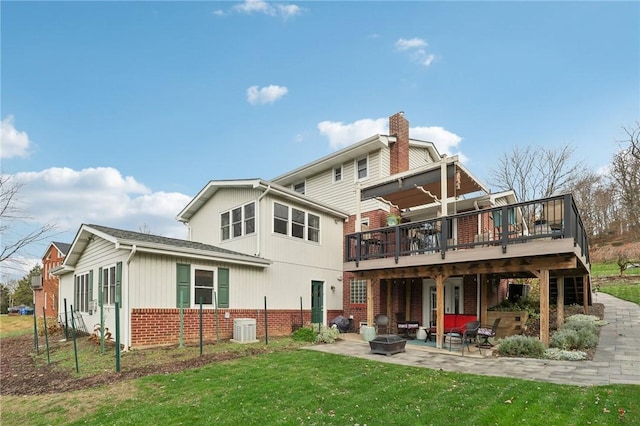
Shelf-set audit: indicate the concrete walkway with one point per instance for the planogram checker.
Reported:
(617, 359)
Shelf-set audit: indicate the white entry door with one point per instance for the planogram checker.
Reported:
(453, 298)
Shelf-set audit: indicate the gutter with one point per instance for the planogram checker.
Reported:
(259, 216)
(127, 316)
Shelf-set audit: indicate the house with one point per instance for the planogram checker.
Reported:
(152, 277)
(45, 291)
(386, 225)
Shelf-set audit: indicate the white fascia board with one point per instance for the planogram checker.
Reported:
(207, 192)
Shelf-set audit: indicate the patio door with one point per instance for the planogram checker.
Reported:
(317, 302)
(453, 298)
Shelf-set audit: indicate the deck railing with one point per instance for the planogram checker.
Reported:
(549, 219)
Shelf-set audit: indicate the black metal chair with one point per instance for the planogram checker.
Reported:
(486, 333)
(406, 326)
(470, 334)
(382, 322)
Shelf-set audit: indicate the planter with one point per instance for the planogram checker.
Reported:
(387, 344)
(512, 322)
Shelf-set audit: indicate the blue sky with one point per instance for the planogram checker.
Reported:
(117, 113)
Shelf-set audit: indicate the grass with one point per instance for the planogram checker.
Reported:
(629, 292)
(610, 269)
(308, 387)
(15, 325)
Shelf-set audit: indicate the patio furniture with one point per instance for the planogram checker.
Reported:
(485, 333)
(382, 322)
(453, 323)
(470, 334)
(406, 326)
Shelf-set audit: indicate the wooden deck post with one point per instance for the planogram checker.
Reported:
(543, 276)
(560, 302)
(482, 283)
(585, 294)
(440, 310)
(389, 304)
(370, 302)
(408, 300)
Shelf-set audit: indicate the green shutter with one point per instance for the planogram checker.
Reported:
(223, 288)
(90, 286)
(75, 292)
(119, 283)
(100, 286)
(183, 283)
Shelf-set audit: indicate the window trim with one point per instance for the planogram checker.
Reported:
(357, 170)
(341, 168)
(103, 284)
(244, 220)
(291, 223)
(192, 290)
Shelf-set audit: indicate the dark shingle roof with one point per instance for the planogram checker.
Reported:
(63, 247)
(139, 237)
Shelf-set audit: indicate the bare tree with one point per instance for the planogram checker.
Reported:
(536, 172)
(11, 216)
(625, 175)
(634, 139)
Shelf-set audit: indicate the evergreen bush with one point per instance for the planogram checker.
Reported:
(523, 346)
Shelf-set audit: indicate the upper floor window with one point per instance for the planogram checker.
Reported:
(299, 187)
(337, 174)
(362, 168)
(296, 223)
(238, 221)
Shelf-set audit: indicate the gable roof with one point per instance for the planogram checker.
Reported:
(140, 242)
(214, 186)
(63, 248)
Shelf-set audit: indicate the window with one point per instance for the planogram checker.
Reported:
(358, 293)
(203, 286)
(109, 285)
(314, 228)
(297, 223)
(238, 222)
(303, 225)
(281, 219)
(362, 168)
(206, 282)
(337, 174)
(82, 293)
(299, 187)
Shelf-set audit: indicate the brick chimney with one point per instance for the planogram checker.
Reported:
(399, 159)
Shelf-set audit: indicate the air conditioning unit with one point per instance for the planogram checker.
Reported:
(244, 330)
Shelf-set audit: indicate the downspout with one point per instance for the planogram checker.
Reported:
(127, 315)
(259, 216)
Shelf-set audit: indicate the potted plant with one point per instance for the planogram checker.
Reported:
(393, 219)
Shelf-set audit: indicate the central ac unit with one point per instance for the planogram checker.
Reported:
(244, 330)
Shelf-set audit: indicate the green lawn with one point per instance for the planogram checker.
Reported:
(611, 269)
(630, 292)
(307, 387)
(15, 325)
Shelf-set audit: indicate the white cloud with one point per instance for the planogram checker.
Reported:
(413, 43)
(218, 12)
(13, 143)
(260, 6)
(341, 135)
(101, 196)
(265, 95)
(416, 47)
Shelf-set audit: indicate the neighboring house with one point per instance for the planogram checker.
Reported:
(386, 225)
(46, 294)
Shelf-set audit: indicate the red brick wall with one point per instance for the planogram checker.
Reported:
(154, 326)
(399, 151)
(50, 284)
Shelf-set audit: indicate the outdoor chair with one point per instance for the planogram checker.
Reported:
(404, 325)
(485, 332)
(470, 334)
(382, 322)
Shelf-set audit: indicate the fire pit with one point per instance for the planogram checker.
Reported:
(387, 344)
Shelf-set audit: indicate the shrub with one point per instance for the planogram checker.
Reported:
(559, 354)
(586, 318)
(327, 334)
(575, 336)
(304, 334)
(524, 346)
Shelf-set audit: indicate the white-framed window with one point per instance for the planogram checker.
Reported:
(81, 297)
(109, 285)
(358, 292)
(238, 221)
(337, 173)
(296, 223)
(299, 187)
(203, 285)
(362, 168)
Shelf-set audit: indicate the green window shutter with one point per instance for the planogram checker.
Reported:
(223, 287)
(90, 286)
(183, 284)
(119, 283)
(100, 286)
(75, 292)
